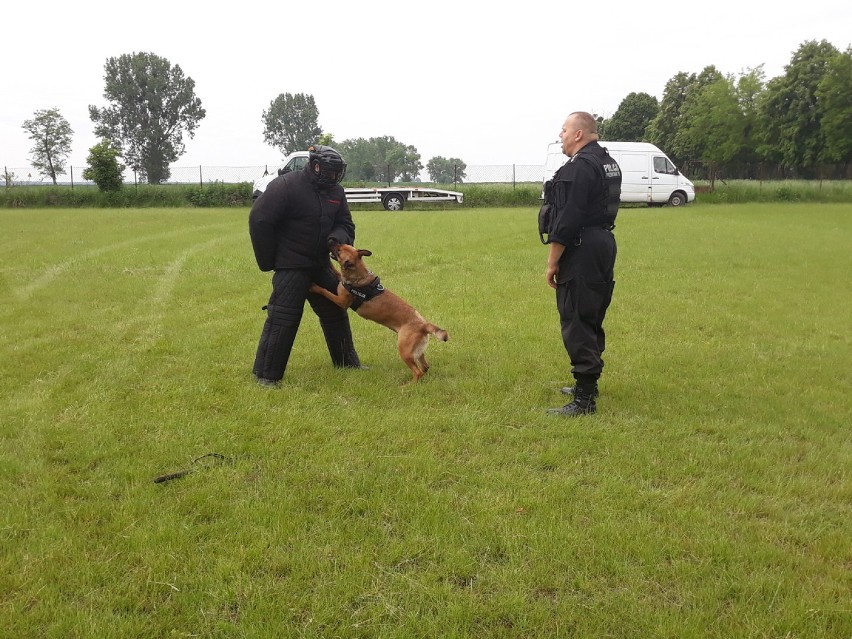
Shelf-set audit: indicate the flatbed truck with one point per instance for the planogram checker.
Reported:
(392, 198)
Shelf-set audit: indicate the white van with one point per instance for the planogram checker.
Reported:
(647, 175)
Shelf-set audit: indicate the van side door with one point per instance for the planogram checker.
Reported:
(635, 175)
(664, 178)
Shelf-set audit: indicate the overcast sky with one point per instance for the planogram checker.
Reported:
(489, 83)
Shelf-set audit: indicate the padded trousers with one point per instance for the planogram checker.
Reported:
(284, 314)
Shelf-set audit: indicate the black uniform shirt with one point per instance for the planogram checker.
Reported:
(577, 194)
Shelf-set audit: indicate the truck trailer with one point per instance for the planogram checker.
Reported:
(392, 198)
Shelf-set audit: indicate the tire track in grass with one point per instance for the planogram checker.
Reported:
(152, 321)
(23, 293)
(29, 396)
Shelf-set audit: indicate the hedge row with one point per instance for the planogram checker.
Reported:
(475, 195)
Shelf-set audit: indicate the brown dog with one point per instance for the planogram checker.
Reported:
(360, 289)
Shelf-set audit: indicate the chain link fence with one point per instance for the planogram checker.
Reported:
(201, 175)
(764, 172)
(476, 174)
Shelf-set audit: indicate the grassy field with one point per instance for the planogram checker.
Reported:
(709, 497)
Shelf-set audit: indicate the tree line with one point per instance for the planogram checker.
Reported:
(799, 121)
(151, 107)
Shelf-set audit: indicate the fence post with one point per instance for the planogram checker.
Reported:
(200, 177)
(389, 175)
(455, 174)
(6, 175)
(513, 177)
(72, 178)
(135, 180)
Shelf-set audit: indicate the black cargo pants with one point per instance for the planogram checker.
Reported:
(583, 295)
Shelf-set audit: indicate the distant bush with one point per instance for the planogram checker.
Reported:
(131, 196)
(219, 194)
(104, 168)
(477, 195)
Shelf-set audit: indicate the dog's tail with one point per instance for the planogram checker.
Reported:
(438, 332)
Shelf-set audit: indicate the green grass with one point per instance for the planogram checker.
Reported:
(709, 497)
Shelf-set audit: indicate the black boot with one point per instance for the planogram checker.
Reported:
(583, 404)
(569, 390)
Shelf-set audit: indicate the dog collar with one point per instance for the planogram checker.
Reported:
(363, 294)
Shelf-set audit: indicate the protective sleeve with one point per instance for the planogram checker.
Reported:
(571, 195)
(264, 217)
(344, 228)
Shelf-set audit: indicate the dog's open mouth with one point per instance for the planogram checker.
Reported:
(334, 249)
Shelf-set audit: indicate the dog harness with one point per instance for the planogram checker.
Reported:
(364, 293)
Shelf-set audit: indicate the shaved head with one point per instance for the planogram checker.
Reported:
(579, 129)
(585, 122)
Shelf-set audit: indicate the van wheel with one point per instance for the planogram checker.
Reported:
(394, 202)
(677, 199)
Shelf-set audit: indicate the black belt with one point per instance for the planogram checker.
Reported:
(605, 227)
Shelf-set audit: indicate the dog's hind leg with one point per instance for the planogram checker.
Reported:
(423, 364)
(420, 351)
(412, 344)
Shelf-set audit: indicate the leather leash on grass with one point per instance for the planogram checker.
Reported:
(184, 473)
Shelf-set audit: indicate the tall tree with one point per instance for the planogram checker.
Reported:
(326, 139)
(51, 136)
(152, 105)
(790, 110)
(602, 124)
(834, 93)
(290, 123)
(713, 125)
(749, 89)
(631, 118)
(381, 159)
(663, 128)
(445, 171)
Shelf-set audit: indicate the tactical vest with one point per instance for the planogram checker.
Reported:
(605, 207)
(603, 210)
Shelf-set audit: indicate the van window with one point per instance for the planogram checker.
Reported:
(663, 165)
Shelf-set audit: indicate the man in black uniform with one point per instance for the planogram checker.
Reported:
(291, 225)
(584, 196)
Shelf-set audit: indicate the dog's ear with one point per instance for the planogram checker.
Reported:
(364, 253)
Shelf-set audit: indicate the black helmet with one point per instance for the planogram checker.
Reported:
(327, 165)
